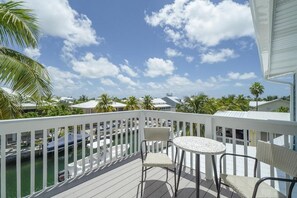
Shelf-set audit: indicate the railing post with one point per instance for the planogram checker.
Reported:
(3, 165)
(141, 125)
(208, 134)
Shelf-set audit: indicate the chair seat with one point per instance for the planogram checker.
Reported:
(158, 160)
(244, 186)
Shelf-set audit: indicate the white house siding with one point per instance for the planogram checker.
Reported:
(272, 105)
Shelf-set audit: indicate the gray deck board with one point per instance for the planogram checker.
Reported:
(122, 179)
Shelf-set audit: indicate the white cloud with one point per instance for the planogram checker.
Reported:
(108, 82)
(172, 52)
(90, 83)
(189, 59)
(243, 76)
(58, 19)
(218, 79)
(217, 56)
(205, 85)
(126, 80)
(238, 85)
(91, 67)
(32, 52)
(158, 67)
(154, 85)
(125, 68)
(63, 81)
(178, 81)
(203, 22)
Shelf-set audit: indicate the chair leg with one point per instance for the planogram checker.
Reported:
(166, 174)
(144, 173)
(141, 182)
(219, 188)
(175, 190)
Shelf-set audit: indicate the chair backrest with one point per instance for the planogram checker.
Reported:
(157, 133)
(278, 156)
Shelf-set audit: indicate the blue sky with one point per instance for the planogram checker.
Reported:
(141, 47)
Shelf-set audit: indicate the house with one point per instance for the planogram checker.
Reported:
(273, 105)
(160, 104)
(275, 33)
(68, 100)
(89, 106)
(172, 101)
(258, 115)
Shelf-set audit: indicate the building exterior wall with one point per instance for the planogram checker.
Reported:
(171, 103)
(273, 106)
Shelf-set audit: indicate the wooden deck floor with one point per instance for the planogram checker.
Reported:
(122, 179)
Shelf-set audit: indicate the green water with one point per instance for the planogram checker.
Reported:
(26, 168)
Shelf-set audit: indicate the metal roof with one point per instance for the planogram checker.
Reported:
(275, 23)
(259, 115)
(161, 105)
(254, 103)
(92, 104)
(174, 99)
(158, 101)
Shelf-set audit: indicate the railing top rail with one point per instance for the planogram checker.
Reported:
(189, 117)
(22, 125)
(271, 126)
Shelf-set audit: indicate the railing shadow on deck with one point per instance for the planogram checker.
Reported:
(52, 191)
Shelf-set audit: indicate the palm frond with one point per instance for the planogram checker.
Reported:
(23, 74)
(9, 105)
(18, 25)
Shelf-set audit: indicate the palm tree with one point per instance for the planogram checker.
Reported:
(18, 27)
(132, 103)
(9, 105)
(147, 103)
(196, 104)
(83, 98)
(48, 99)
(233, 103)
(104, 104)
(256, 90)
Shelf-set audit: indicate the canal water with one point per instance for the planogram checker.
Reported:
(26, 168)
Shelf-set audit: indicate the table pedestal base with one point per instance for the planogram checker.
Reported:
(198, 173)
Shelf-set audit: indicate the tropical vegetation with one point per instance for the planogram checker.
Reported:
(53, 109)
(257, 89)
(202, 104)
(147, 103)
(132, 103)
(104, 104)
(18, 28)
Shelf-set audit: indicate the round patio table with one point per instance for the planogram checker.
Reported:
(199, 145)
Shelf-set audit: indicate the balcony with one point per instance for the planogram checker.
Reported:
(29, 168)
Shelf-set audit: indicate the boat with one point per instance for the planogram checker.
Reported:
(101, 142)
(61, 142)
(93, 160)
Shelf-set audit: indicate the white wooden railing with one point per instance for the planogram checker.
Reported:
(127, 127)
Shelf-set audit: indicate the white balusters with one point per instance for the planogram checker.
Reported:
(3, 165)
(44, 158)
(18, 166)
(66, 153)
(32, 165)
(83, 146)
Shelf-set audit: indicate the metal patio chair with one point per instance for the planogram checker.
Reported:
(151, 159)
(271, 154)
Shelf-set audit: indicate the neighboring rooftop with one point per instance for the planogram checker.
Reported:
(259, 115)
(92, 104)
(254, 103)
(276, 29)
